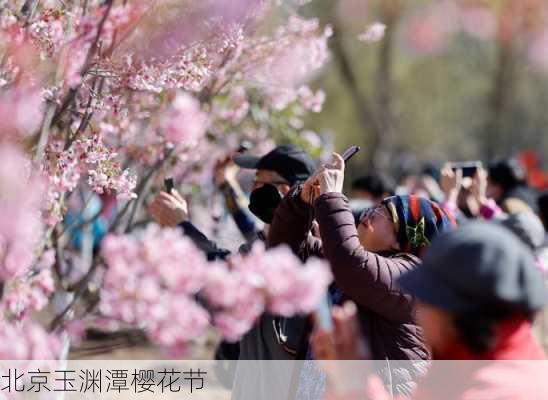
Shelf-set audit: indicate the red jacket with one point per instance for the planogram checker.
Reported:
(515, 369)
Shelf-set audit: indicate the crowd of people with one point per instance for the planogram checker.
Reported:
(448, 265)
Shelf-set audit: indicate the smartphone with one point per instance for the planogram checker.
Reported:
(322, 315)
(350, 152)
(469, 168)
(168, 184)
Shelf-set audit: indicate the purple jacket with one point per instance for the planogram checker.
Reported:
(386, 313)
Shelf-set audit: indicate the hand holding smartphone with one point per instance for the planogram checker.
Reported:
(469, 168)
(322, 315)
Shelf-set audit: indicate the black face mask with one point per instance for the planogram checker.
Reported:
(264, 201)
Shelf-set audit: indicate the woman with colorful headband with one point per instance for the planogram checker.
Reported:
(366, 259)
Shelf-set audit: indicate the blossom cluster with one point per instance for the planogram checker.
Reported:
(150, 281)
(159, 281)
(94, 95)
(20, 225)
(27, 341)
(272, 281)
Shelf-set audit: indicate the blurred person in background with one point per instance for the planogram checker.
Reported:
(543, 214)
(477, 293)
(530, 230)
(507, 185)
(543, 208)
(366, 259)
(423, 185)
(457, 196)
(526, 225)
(543, 255)
(373, 187)
(368, 191)
(235, 200)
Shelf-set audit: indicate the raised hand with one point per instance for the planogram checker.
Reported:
(451, 183)
(168, 209)
(330, 177)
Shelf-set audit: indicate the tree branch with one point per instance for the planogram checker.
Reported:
(366, 114)
(89, 58)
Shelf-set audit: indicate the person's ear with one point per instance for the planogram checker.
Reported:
(284, 189)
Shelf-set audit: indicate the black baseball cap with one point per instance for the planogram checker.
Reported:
(480, 266)
(291, 162)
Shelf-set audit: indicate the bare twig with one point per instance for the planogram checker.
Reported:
(80, 288)
(44, 132)
(59, 265)
(28, 10)
(145, 187)
(88, 115)
(89, 58)
(74, 223)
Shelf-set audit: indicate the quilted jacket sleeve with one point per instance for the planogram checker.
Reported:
(368, 278)
(291, 226)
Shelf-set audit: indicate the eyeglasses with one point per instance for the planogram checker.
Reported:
(371, 213)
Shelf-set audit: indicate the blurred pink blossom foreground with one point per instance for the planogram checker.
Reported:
(154, 281)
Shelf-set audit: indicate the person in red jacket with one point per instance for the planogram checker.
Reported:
(478, 291)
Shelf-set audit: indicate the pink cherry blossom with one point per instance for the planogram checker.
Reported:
(373, 32)
(290, 288)
(27, 341)
(92, 98)
(150, 282)
(310, 100)
(20, 225)
(235, 107)
(273, 281)
(20, 111)
(184, 123)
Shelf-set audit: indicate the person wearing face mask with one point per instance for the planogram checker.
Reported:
(366, 259)
(276, 172)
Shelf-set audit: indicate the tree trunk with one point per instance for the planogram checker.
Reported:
(391, 13)
(376, 115)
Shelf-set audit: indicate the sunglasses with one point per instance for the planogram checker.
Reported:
(373, 212)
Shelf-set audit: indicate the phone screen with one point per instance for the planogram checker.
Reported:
(469, 168)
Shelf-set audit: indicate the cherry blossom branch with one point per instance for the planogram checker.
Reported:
(80, 288)
(139, 191)
(44, 132)
(75, 224)
(89, 58)
(146, 184)
(88, 115)
(28, 9)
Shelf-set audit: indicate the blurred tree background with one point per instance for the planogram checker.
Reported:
(450, 80)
